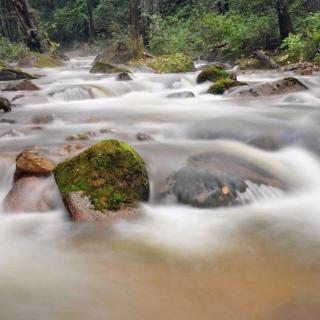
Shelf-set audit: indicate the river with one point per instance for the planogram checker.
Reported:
(259, 261)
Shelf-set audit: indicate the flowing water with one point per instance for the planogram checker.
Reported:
(260, 260)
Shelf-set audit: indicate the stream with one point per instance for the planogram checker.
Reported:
(259, 260)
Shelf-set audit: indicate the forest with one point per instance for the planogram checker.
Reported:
(223, 30)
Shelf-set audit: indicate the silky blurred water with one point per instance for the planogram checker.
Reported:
(256, 261)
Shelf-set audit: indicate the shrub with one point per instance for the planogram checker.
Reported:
(10, 51)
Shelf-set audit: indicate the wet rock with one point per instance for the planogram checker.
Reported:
(30, 162)
(212, 181)
(81, 210)
(106, 182)
(9, 121)
(8, 74)
(222, 85)
(46, 119)
(124, 76)
(251, 64)
(107, 68)
(283, 86)
(181, 95)
(142, 136)
(5, 104)
(11, 133)
(82, 136)
(212, 73)
(169, 63)
(302, 67)
(24, 85)
(27, 195)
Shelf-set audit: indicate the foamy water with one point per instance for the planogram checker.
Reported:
(255, 261)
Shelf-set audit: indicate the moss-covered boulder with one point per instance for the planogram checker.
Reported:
(251, 64)
(107, 68)
(104, 182)
(222, 85)
(170, 63)
(8, 74)
(212, 73)
(5, 104)
(40, 60)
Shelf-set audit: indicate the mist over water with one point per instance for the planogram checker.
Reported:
(260, 260)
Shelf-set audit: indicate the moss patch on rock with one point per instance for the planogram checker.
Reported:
(212, 73)
(221, 85)
(46, 61)
(170, 63)
(101, 67)
(8, 74)
(111, 174)
(251, 64)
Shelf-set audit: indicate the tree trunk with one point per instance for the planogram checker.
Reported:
(17, 23)
(284, 19)
(134, 23)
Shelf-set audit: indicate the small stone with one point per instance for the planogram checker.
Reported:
(29, 162)
(43, 119)
(123, 76)
(5, 104)
(142, 136)
(82, 136)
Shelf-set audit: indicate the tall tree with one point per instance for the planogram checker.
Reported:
(284, 19)
(134, 22)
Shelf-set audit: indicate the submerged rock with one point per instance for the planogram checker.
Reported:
(222, 85)
(142, 136)
(283, 86)
(181, 95)
(30, 162)
(27, 195)
(24, 85)
(124, 76)
(104, 182)
(82, 136)
(212, 73)
(212, 181)
(107, 68)
(5, 104)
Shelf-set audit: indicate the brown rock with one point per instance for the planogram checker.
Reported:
(81, 136)
(27, 195)
(142, 136)
(43, 119)
(81, 210)
(283, 86)
(24, 85)
(29, 162)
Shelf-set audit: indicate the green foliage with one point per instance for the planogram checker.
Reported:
(10, 51)
(294, 46)
(203, 32)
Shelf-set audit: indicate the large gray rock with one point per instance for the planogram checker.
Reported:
(211, 181)
(283, 86)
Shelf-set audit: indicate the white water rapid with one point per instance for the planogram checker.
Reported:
(256, 261)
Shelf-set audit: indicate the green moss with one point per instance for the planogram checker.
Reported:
(8, 74)
(220, 86)
(212, 73)
(284, 58)
(46, 61)
(100, 67)
(251, 64)
(171, 63)
(111, 174)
